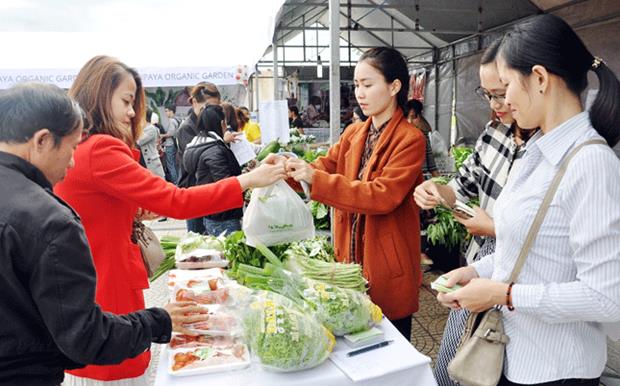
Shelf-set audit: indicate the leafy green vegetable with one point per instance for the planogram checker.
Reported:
(282, 336)
(238, 252)
(320, 212)
(460, 154)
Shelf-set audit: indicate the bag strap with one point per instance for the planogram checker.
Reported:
(542, 211)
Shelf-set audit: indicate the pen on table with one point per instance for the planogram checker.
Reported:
(369, 348)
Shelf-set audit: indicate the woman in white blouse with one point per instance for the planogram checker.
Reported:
(570, 282)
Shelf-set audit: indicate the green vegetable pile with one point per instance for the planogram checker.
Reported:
(342, 275)
(169, 245)
(341, 310)
(238, 252)
(282, 336)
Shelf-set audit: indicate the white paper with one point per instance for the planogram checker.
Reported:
(274, 121)
(243, 150)
(397, 356)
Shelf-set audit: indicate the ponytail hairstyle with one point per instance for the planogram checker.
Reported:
(203, 91)
(392, 65)
(549, 41)
(210, 121)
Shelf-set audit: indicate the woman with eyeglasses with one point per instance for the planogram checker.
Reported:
(482, 175)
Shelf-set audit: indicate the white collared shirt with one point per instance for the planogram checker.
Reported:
(571, 279)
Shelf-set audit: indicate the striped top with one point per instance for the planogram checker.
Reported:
(485, 171)
(571, 279)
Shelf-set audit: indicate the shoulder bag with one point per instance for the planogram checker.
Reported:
(479, 359)
(150, 248)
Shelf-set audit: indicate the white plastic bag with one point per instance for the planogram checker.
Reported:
(440, 151)
(277, 215)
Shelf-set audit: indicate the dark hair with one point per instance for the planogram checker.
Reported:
(243, 108)
(489, 55)
(204, 90)
(294, 109)
(415, 105)
(549, 41)
(93, 88)
(241, 118)
(357, 110)
(149, 114)
(210, 120)
(231, 116)
(171, 107)
(392, 65)
(29, 107)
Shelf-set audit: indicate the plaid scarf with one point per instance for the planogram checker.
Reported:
(485, 172)
(357, 225)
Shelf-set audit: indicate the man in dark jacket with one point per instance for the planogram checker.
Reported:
(49, 321)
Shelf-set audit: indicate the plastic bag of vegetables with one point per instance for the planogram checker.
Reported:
(277, 215)
(341, 310)
(282, 337)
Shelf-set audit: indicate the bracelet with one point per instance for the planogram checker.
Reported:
(509, 297)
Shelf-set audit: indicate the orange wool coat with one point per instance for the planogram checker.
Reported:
(391, 238)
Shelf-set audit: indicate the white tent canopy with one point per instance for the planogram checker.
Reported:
(171, 43)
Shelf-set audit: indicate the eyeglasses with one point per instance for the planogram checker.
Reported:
(487, 96)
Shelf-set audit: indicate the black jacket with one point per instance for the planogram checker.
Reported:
(187, 131)
(49, 321)
(208, 159)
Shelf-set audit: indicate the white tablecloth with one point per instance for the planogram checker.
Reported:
(327, 374)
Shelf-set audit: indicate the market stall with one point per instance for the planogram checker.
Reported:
(287, 314)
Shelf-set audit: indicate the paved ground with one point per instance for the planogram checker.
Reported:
(428, 323)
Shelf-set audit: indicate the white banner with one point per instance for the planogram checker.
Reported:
(151, 77)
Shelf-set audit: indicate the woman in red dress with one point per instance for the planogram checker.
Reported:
(107, 186)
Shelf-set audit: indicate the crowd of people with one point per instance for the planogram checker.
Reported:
(73, 188)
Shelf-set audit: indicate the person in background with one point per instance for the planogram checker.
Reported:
(230, 113)
(569, 285)
(498, 150)
(295, 120)
(50, 321)
(202, 94)
(107, 187)
(414, 116)
(368, 177)
(208, 159)
(148, 143)
(413, 111)
(249, 128)
(358, 115)
(170, 142)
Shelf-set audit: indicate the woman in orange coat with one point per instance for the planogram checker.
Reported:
(106, 188)
(369, 177)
